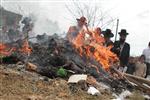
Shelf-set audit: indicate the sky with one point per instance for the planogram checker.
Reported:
(133, 15)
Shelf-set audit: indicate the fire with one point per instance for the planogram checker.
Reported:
(5, 51)
(93, 47)
(26, 48)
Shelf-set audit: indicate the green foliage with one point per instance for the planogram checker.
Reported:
(62, 72)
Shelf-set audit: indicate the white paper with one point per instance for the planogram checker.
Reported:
(76, 78)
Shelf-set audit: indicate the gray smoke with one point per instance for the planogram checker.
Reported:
(41, 22)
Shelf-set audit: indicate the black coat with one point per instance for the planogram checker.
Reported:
(124, 54)
(130, 68)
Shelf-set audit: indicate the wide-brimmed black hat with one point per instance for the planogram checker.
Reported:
(107, 33)
(123, 32)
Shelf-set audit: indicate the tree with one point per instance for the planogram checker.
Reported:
(94, 14)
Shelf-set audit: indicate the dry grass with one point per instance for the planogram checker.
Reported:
(26, 86)
(136, 96)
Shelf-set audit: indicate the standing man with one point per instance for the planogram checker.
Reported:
(122, 49)
(74, 30)
(107, 35)
(146, 53)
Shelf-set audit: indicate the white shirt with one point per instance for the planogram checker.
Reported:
(146, 53)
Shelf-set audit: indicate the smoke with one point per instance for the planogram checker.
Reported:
(45, 25)
(42, 22)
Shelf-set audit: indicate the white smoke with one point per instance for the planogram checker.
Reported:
(43, 23)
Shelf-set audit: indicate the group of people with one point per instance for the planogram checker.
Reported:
(139, 67)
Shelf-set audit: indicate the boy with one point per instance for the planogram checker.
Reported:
(131, 66)
(140, 69)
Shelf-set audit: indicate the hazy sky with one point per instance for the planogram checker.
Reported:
(134, 15)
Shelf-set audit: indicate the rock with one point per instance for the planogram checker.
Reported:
(31, 67)
(83, 85)
(93, 91)
(91, 80)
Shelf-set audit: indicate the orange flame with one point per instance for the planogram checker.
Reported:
(26, 48)
(4, 50)
(93, 47)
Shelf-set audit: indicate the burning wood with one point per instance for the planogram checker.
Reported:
(100, 53)
(25, 48)
(85, 54)
(5, 51)
(12, 52)
(92, 58)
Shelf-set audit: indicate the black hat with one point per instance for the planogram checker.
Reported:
(107, 33)
(123, 32)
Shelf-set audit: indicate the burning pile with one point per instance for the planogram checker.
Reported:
(85, 55)
(5, 51)
(93, 47)
(8, 52)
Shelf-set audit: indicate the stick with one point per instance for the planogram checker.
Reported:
(139, 79)
(117, 29)
(139, 85)
(131, 78)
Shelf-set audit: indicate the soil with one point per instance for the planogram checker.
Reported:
(18, 84)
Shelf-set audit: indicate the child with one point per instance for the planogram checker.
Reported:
(140, 69)
(131, 66)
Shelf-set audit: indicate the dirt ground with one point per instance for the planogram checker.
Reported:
(24, 85)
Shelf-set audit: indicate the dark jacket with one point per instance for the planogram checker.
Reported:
(124, 54)
(109, 43)
(130, 68)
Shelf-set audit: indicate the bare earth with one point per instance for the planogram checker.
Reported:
(24, 85)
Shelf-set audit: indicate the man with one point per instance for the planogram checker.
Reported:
(107, 35)
(74, 30)
(146, 53)
(122, 48)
